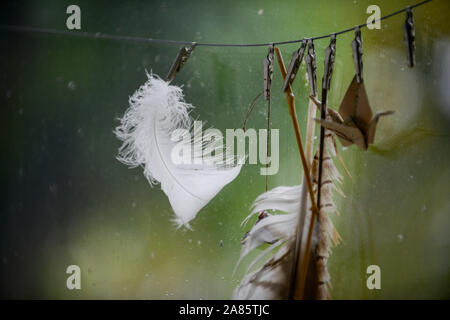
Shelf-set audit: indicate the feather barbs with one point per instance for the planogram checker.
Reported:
(156, 111)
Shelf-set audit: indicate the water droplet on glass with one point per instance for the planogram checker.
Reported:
(71, 85)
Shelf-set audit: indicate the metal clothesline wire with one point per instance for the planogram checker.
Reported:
(99, 35)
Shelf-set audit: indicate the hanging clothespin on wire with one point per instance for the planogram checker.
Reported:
(310, 61)
(267, 74)
(268, 71)
(357, 55)
(330, 53)
(180, 60)
(294, 65)
(410, 35)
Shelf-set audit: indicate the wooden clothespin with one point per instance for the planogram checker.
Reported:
(268, 71)
(357, 54)
(410, 36)
(330, 53)
(180, 60)
(294, 65)
(310, 61)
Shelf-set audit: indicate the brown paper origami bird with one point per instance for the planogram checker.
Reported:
(353, 124)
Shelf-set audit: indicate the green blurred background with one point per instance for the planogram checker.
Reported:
(66, 200)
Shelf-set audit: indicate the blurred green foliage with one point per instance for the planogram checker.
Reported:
(67, 200)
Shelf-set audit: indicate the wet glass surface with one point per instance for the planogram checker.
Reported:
(66, 200)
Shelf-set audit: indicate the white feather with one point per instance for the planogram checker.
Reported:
(156, 110)
(271, 280)
(285, 199)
